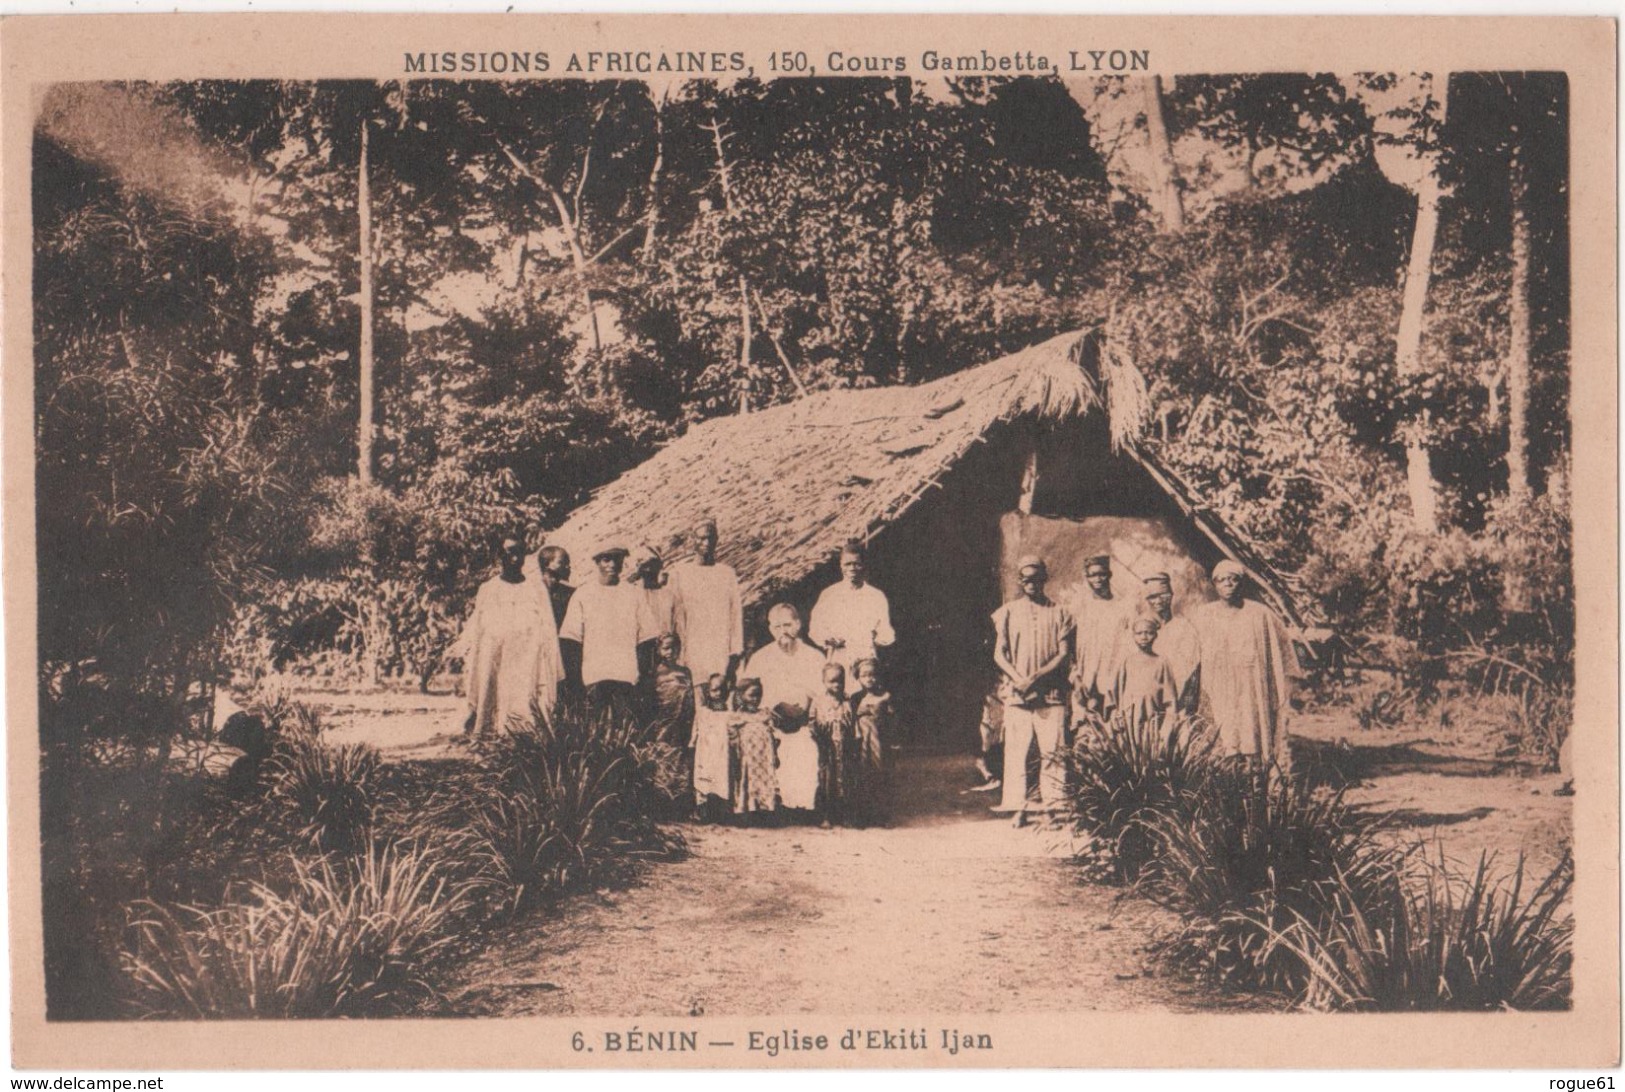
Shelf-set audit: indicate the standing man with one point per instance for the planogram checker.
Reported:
(706, 610)
(1247, 665)
(1177, 642)
(1032, 646)
(510, 647)
(852, 619)
(1102, 621)
(610, 623)
(554, 564)
(645, 565)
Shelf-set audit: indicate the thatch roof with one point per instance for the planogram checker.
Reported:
(789, 484)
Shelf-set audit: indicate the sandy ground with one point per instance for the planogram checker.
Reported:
(949, 909)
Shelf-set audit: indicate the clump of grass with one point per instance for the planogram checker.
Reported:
(566, 797)
(343, 941)
(330, 792)
(1283, 886)
(1257, 852)
(1126, 781)
(1449, 943)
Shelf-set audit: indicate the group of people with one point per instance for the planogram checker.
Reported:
(1100, 660)
(806, 729)
(799, 729)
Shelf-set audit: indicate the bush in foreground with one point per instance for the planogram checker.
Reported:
(1285, 887)
(565, 798)
(1447, 943)
(343, 941)
(1127, 781)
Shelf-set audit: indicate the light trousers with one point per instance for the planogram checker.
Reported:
(1045, 724)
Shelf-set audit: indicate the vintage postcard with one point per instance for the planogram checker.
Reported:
(812, 541)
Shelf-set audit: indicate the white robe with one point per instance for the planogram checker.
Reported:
(511, 654)
(1180, 646)
(1247, 664)
(709, 617)
(860, 617)
(795, 678)
(1102, 638)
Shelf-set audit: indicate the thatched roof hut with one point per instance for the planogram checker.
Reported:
(948, 481)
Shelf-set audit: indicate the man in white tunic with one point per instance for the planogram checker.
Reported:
(852, 618)
(1032, 647)
(792, 673)
(706, 610)
(510, 648)
(1102, 620)
(610, 620)
(1177, 641)
(1248, 664)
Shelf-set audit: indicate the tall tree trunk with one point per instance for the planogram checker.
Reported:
(1518, 363)
(579, 261)
(651, 218)
(725, 183)
(1423, 492)
(744, 345)
(1165, 172)
(364, 203)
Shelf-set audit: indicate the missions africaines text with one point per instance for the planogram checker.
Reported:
(688, 62)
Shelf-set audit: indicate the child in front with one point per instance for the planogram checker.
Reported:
(756, 786)
(869, 759)
(831, 726)
(713, 777)
(1146, 690)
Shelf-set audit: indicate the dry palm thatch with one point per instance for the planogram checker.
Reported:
(789, 484)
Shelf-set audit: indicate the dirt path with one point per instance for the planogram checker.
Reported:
(949, 910)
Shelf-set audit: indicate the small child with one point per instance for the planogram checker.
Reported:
(713, 776)
(990, 759)
(673, 691)
(869, 759)
(831, 726)
(756, 783)
(1146, 690)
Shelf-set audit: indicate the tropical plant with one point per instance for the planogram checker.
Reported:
(1255, 850)
(1448, 943)
(329, 791)
(344, 940)
(1128, 782)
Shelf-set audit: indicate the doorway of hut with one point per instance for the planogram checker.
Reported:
(948, 561)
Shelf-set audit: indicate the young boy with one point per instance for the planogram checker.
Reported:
(756, 784)
(872, 730)
(713, 776)
(1146, 690)
(831, 726)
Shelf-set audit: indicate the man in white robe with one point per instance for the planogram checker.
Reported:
(852, 619)
(1102, 619)
(1248, 664)
(510, 648)
(792, 673)
(1177, 641)
(707, 611)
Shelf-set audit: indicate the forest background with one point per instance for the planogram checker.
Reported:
(1337, 305)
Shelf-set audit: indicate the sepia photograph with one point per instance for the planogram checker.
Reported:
(643, 536)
